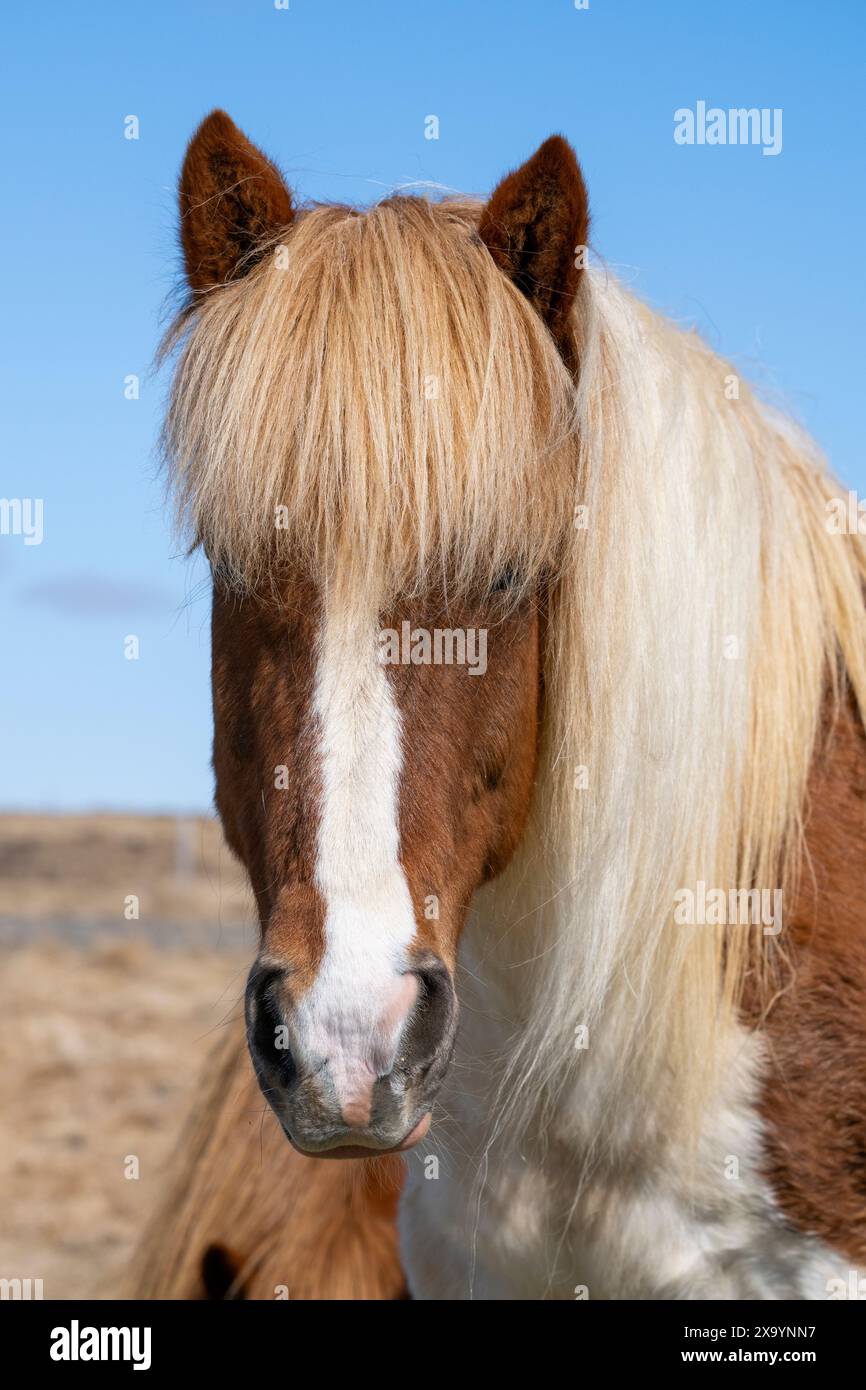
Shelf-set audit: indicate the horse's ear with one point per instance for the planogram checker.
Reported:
(535, 227)
(232, 198)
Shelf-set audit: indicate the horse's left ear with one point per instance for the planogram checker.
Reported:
(535, 227)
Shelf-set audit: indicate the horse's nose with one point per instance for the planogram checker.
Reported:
(356, 1064)
(351, 1077)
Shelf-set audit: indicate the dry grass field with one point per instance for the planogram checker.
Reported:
(106, 1021)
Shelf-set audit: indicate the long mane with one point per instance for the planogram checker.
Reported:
(377, 379)
(706, 622)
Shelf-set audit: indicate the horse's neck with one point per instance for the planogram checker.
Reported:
(512, 924)
(785, 1118)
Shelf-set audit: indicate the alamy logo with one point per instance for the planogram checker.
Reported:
(76, 1343)
(853, 1288)
(846, 516)
(21, 1289)
(22, 516)
(418, 646)
(737, 126)
(734, 907)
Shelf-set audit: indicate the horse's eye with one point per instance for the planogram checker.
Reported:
(504, 581)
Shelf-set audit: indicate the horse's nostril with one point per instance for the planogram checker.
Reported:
(267, 1029)
(432, 1026)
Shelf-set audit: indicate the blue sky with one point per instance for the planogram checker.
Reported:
(763, 254)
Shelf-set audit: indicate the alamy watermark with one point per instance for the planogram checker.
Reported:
(22, 516)
(732, 907)
(419, 646)
(21, 1289)
(739, 125)
(846, 516)
(853, 1288)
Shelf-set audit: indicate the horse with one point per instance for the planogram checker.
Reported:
(563, 952)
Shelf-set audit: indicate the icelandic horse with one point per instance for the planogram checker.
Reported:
(433, 417)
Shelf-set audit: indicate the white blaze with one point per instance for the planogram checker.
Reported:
(353, 1014)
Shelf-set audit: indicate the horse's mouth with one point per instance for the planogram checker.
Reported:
(341, 1150)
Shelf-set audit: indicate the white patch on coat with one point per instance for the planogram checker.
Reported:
(653, 1222)
(355, 1011)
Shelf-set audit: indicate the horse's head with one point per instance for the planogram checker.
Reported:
(371, 434)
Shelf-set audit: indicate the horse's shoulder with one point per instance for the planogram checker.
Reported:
(814, 1094)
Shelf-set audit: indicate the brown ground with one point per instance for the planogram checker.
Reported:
(104, 1026)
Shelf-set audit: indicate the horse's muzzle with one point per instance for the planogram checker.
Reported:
(365, 1100)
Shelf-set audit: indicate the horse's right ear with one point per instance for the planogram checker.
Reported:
(232, 198)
